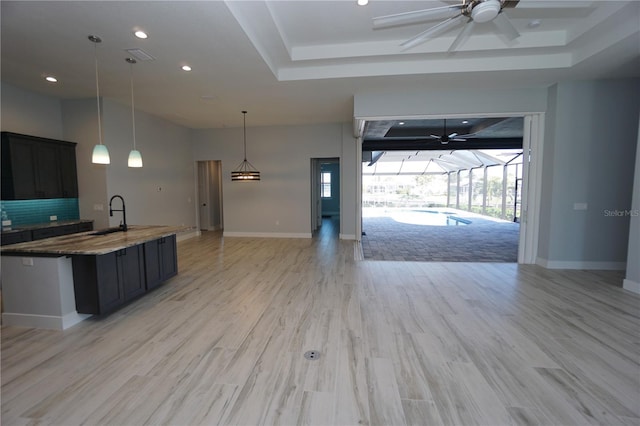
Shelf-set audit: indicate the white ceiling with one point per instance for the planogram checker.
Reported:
(298, 62)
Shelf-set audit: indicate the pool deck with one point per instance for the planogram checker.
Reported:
(398, 235)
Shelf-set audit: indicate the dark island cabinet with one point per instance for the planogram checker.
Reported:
(104, 283)
(160, 261)
(34, 168)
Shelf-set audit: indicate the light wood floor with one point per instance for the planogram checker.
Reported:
(400, 343)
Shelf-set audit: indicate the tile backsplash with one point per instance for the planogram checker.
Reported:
(29, 212)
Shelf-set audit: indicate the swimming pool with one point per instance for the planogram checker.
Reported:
(429, 218)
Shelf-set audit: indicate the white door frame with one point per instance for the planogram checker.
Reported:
(532, 143)
(204, 202)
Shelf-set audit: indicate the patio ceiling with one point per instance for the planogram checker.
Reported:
(436, 162)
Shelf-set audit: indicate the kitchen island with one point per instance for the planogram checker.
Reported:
(58, 282)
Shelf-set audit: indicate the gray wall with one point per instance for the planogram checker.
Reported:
(280, 204)
(30, 113)
(588, 157)
(589, 154)
(435, 102)
(162, 192)
(80, 124)
(165, 148)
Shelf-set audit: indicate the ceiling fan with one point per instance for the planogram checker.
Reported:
(469, 12)
(445, 138)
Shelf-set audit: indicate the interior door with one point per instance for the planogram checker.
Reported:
(204, 198)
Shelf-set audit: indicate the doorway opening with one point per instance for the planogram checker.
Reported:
(452, 189)
(210, 217)
(325, 195)
(445, 206)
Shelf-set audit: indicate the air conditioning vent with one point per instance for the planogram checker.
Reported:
(140, 55)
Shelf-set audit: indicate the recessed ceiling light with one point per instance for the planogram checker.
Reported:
(186, 68)
(363, 2)
(465, 122)
(401, 123)
(141, 34)
(51, 79)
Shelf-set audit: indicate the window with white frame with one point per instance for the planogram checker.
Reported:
(325, 183)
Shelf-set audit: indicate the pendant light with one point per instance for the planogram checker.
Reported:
(100, 151)
(245, 170)
(135, 158)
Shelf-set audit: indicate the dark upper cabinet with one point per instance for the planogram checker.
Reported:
(34, 167)
(68, 170)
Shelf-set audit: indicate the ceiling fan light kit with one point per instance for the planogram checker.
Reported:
(469, 13)
(486, 11)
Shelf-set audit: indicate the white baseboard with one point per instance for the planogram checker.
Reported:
(584, 265)
(267, 234)
(347, 236)
(631, 286)
(187, 235)
(43, 321)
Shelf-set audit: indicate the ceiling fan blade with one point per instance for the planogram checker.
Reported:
(433, 137)
(548, 4)
(463, 36)
(453, 135)
(458, 140)
(416, 17)
(433, 31)
(505, 27)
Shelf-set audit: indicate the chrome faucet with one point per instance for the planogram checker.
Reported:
(123, 225)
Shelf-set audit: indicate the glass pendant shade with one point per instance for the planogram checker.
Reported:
(245, 172)
(100, 155)
(135, 158)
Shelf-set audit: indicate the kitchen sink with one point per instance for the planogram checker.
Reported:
(106, 231)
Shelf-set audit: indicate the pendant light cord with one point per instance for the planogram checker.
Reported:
(244, 125)
(95, 45)
(133, 114)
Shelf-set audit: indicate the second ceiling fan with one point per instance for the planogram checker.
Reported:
(445, 138)
(469, 13)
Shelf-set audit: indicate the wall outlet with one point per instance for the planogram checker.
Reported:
(27, 261)
(53, 217)
(98, 207)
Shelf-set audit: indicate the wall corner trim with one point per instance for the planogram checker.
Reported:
(631, 286)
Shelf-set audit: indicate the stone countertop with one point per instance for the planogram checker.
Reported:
(88, 244)
(20, 228)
